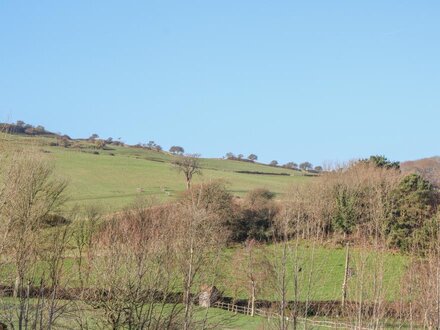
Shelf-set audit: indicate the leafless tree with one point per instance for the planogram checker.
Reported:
(29, 194)
(134, 271)
(189, 165)
(251, 272)
(198, 241)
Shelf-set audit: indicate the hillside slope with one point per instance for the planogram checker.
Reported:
(114, 177)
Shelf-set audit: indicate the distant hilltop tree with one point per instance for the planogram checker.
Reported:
(152, 146)
(273, 163)
(240, 156)
(252, 157)
(230, 155)
(177, 150)
(306, 166)
(94, 136)
(318, 168)
(291, 165)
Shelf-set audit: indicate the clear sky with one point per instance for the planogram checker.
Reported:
(286, 80)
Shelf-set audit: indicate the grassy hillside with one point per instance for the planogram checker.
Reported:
(116, 176)
(322, 272)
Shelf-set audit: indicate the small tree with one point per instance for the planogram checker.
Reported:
(40, 129)
(414, 203)
(251, 271)
(150, 145)
(252, 157)
(318, 168)
(291, 165)
(177, 150)
(188, 165)
(29, 194)
(230, 155)
(306, 166)
(94, 136)
(273, 163)
(240, 156)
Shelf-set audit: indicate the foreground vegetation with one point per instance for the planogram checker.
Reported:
(360, 243)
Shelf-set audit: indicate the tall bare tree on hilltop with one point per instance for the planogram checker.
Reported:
(188, 165)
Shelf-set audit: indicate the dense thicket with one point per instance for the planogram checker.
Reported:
(366, 201)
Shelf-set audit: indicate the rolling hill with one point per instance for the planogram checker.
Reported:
(115, 176)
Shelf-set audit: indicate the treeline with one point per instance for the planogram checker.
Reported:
(20, 127)
(367, 200)
(97, 142)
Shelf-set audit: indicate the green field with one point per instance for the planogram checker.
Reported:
(320, 278)
(115, 177)
(322, 272)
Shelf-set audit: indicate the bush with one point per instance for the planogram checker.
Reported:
(213, 197)
(53, 220)
(254, 217)
(414, 202)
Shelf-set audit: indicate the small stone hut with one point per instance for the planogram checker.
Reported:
(208, 295)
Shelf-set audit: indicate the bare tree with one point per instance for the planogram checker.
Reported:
(198, 242)
(189, 165)
(135, 271)
(29, 194)
(251, 271)
(84, 228)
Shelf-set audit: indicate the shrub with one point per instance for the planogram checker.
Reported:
(414, 202)
(254, 217)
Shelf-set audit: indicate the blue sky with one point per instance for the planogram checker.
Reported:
(288, 80)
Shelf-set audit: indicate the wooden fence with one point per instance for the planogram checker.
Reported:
(270, 314)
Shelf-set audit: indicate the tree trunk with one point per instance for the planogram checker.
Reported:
(253, 299)
(17, 286)
(188, 284)
(345, 283)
